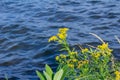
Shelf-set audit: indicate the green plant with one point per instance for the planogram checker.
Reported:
(92, 63)
(49, 75)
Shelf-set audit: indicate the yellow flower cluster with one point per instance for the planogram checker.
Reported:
(62, 33)
(60, 36)
(57, 58)
(63, 30)
(81, 63)
(85, 50)
(60, 58)
(72, 62)
(71, 65)
(103, 46)
(117, 73)
(105, 50)
(73, 53)
(53, 38)
(96, 55)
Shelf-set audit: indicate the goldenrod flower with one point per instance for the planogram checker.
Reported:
(62, 56)
(117, 73)
(71, 65)
(85, 50)
(57, 58)
(103, 46)
(74, 60)
(53, 38)
(96, 55)
(63, 30)
(62, 36)
(73, 53)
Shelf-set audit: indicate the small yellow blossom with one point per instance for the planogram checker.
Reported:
(57, 58)
(63, 30)
(117, 73)
(62, 56)
(71, 65)
(73, 53)
(62, 36)
(85, 50)
(103, 46)
(74, 60)
(53, 38)
(96, 55)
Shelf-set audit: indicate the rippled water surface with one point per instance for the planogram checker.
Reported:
(26, 25)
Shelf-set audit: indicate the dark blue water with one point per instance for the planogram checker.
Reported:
(26, 25)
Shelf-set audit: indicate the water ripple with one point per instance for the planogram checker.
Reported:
(25, 27)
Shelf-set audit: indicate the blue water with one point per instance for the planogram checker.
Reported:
(26, 25)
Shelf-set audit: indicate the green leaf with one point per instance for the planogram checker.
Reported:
(58, 75)
(65, 70)
(47, 76)
(40, 75)
(49, 70)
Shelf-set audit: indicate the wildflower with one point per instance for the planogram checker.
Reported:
(73, 53)
(74, 60)
(63, 30)
(103, 46)
(57, 58)
(117, 73)
(71, 65)
(85, 50)
(62, 36)
(53, 38)
(62, 56)
(96, 55)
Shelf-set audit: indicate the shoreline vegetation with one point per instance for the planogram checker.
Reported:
(91, 63)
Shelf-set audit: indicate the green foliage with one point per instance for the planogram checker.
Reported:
(40, 75)
(92, 63)
(49, 75)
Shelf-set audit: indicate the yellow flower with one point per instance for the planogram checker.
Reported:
(53, 38)
(63, 30)
(74, 60)
(57, 58)
(96, 55)
(117, 73)
(73, 53)
(62, 56)
(85, 50)
(103, 46)
(62, 36)
(71, 65)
